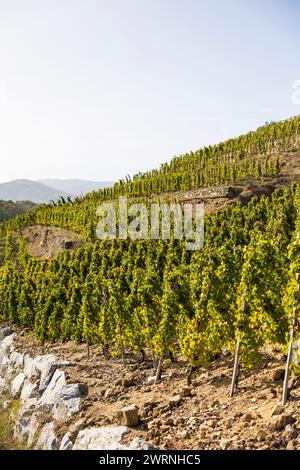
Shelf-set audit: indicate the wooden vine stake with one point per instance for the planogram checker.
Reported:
(290, 351)
(235, 374)
(159, 369)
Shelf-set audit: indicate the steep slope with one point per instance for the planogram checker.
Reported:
(255, 160)
(180, 313)
(155, 295)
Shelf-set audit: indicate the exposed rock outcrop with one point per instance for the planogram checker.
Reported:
(39, 386)
(106, 438)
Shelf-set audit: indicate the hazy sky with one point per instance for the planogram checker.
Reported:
(97, 89)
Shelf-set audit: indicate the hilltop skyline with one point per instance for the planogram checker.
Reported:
(97, 90)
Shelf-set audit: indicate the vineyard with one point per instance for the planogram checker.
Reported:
(154, 297)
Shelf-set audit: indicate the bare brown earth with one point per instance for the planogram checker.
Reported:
(203, 417)
(218, 197)
(47, 242)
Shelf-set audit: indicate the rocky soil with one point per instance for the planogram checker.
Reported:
(47, 242)
(171, 414)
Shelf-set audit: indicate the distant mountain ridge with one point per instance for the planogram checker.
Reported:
(27, 190)
(41, 192)
(76, 186)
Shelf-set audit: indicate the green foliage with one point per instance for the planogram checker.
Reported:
(252, 156)
(153, 295)
(10, 210)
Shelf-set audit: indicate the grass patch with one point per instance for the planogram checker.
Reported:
(7, 442)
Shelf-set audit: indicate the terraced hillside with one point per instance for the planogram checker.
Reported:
(155, 296)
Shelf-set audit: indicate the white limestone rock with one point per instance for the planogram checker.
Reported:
(140, 444)
(48, 373)
(17, 360)
(57, 382)
(30, 369)
(68, 399)
(66, 443)
(17, 385)
(21, 429)
(7, 344)
(43, 365)
(4, 389)
(34, 426)
(105, 438)
(28, 407)
(29, 390)
(6, 371)
(151, 380)
(6, 331)
(48, 439)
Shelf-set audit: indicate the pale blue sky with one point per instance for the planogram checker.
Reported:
(97, 89)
